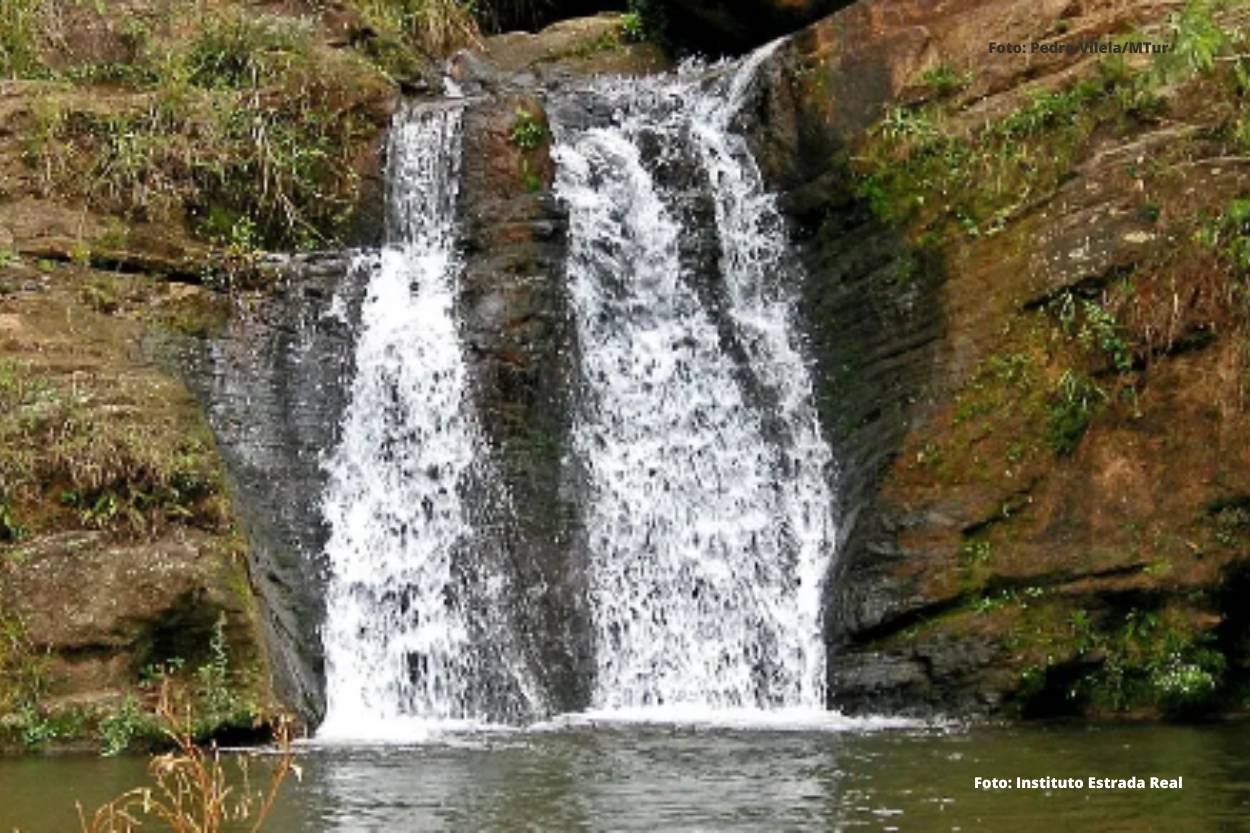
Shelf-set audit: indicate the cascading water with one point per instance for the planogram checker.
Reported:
(414, 631)
(709, 520)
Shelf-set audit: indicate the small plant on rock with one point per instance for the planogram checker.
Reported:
(528, 131)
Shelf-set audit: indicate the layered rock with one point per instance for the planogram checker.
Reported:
(982, 570)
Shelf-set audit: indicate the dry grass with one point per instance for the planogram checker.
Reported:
(191, 790)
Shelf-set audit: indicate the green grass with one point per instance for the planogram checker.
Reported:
(247, 133)
(19, 39)
(925, 169)
(100, 458)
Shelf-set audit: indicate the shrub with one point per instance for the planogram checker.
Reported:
(118, 730)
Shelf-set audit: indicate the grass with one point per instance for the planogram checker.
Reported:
(919, 170)
(924, 168)
(435, 27)
(101, 454)
(191, 789)
(19, 32)
(246, 129)
(23, 670)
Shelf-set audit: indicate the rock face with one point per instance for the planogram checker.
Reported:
(275, 384)
(517, 330)
(983, 570)
(101, 609)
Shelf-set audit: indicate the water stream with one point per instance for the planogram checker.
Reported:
(415, 629)
(709, 518)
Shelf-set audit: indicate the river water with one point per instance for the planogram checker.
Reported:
(648, 778)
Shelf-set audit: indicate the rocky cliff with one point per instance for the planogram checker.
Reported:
(1041, 398)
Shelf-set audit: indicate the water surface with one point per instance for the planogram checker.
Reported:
(648, 778)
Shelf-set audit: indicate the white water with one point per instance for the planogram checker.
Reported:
(708, 521)
(412, 636)
(708, 531)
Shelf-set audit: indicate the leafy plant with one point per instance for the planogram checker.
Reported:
(528, 131)
(1197, 40)
(119, 729)
(633, 27)
(1100, 331)
(945, 80)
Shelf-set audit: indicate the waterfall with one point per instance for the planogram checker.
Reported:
(708, 522)
(414, 630)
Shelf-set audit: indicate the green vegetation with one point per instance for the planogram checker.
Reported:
(528, 132)
(219, 696)
(944, 80)
(118, 730)
(923, 171)
(1113, 661)
(19, 31)
(1147, 662)
(926, 168)
(245, 128)
(633, 26)
(241, 125)
(1072, 406)
(431, 27)
(1228, 235)
(86, 456)
(23, 671)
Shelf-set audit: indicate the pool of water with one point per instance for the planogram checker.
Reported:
(590, 777)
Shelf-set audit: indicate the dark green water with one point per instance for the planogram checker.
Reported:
(664, 779)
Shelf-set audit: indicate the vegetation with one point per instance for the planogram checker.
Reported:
(245, 128)
(23, 672)
(19, 27)
(922, 171)
(87, 456)
(1072, 407)
(1138, 659)
(528, 132)
(432, 27)
(927, 168)
(191, 790)
(216, 697)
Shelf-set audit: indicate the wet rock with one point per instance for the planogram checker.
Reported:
(274, 386)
